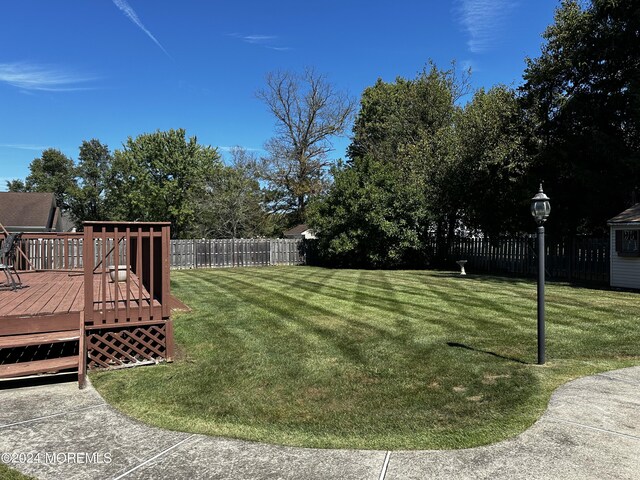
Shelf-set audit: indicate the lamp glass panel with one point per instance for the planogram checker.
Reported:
(538, 210)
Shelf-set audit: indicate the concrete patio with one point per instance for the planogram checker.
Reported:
(591, 430)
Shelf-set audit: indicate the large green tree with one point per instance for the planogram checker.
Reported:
(16, 185)
(157, 176)
(583, 94)
(399, 185)
(492, 147)
(370, 217)
(94, 163)
(52, 172)
(232, 203)
(422, 166)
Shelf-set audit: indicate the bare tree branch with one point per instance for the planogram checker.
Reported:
(309, 111)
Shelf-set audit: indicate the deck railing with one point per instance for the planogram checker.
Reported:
(118, 319)
(50, 251)
(128, 282)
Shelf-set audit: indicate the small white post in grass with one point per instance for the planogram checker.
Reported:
(461, 263)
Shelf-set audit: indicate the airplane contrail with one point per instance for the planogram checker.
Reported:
(133, 16)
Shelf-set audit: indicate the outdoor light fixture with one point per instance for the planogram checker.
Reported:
(540, 209)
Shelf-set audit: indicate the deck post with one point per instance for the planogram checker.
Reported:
(165, 292)
(169, 345)
(82, 354)
(88, 260)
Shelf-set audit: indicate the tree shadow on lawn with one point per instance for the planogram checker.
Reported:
(488, 352)
(422, 386)
(342, 340)
(531, 279)
(471, 276)
(295, 305)
(463, 299)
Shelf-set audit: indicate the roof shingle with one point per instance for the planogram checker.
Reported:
(630, 215)
(20, 209)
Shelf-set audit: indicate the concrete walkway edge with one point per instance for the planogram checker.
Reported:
(590, 430)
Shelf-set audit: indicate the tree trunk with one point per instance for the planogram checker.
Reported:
(451, 230)
(440, 242)
(301, 214)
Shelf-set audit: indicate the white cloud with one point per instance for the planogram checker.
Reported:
(267, 41)
(469, 64)
(280, 49)
(484, 21)
(228, 149)
(257, 38)
(23, 146)
(133, 16)
(41, 77)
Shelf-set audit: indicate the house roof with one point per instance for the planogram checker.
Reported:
(630, 215)
(297, 230)
(66, 221)
(20, 209)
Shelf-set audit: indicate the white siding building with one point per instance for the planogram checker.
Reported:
(300, 231)
(625, 248)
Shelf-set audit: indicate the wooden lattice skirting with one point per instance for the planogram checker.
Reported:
(126, 346)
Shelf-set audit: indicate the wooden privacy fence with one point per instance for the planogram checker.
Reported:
(66, 251)
(579, 258)
(220, 253)
(573, 259)
(63, 251)
(51, 251)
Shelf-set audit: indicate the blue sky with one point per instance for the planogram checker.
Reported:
(108, 69)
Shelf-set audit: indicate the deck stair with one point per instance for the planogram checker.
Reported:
(32, 367)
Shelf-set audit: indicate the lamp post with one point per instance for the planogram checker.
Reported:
(540, 209)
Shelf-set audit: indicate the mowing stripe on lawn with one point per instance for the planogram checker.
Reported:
(377, 360)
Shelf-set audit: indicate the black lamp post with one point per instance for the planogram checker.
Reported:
(540, 209)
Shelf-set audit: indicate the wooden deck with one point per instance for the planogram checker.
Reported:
(45, 293)
(61, 294)
(77, 318)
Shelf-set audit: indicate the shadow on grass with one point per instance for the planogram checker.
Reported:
(494, 354)
(531, 278)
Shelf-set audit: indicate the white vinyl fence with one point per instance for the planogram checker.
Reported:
(243, 252)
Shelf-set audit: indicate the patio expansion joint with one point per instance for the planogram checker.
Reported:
(589, 427)
(385, 465)
(156, 456)
(616, 379)
(44, 417)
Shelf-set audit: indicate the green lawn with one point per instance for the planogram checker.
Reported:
(371, 359)
(7, 473)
